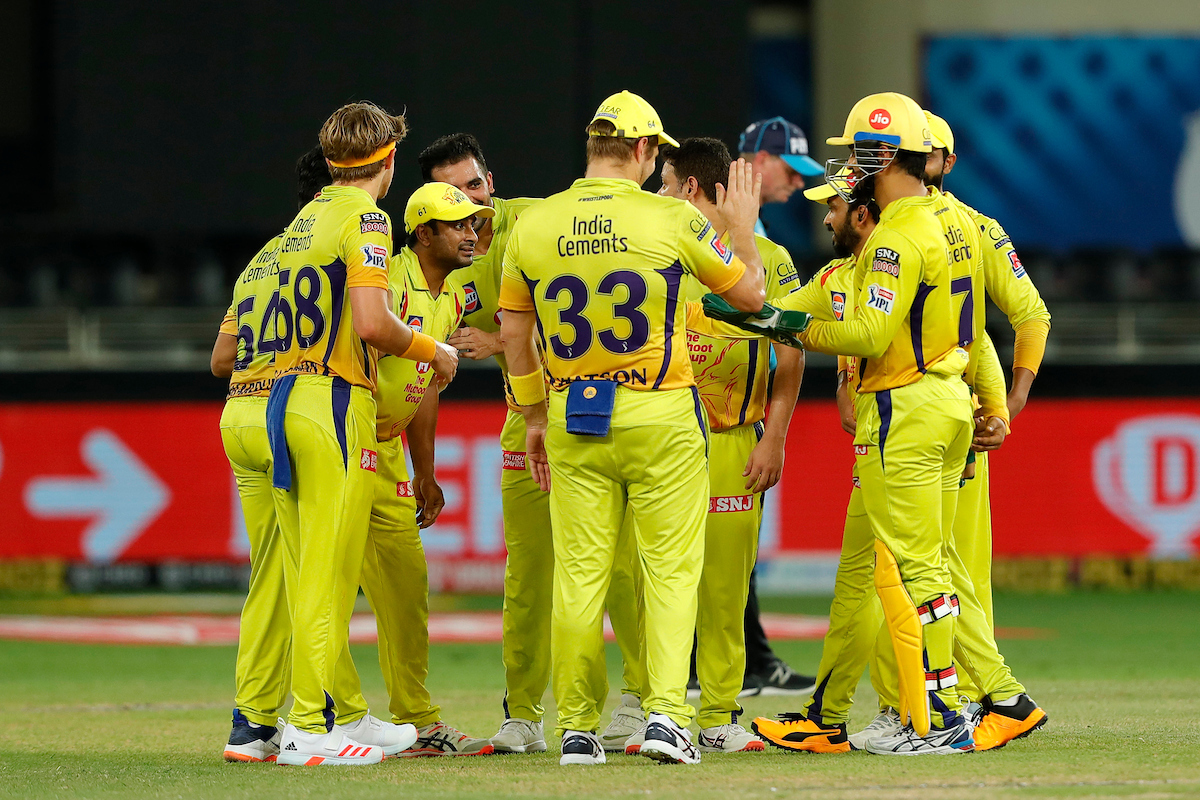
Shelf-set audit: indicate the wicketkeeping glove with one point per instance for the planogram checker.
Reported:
(771, 322)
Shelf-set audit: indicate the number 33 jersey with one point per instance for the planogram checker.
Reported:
(339, 241)
(602, 265)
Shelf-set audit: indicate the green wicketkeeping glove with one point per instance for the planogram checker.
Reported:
(771, 322)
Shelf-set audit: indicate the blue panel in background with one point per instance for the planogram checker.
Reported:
(781, 71)
(1075, 142)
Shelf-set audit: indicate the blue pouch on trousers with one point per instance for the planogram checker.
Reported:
(281, 465)
(590, 407)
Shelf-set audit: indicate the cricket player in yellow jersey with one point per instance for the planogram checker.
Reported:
(596, 272)
(260, 676)
(439, 222)
(912, 325)
(331, 319)
(855, 612)
(745, 455)
(1004, 711)
(1009, 286)
(458, 159)
(265, 633)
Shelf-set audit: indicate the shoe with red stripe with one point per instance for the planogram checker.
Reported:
(439, 739)
(391, 738)
(333, 749)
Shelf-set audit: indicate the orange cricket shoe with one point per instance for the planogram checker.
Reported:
(797, 732)
(1001, 724)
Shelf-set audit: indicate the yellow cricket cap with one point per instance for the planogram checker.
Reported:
(890, 118)
(820, 194)
(633, 117)
(940, 131)
(440, 201)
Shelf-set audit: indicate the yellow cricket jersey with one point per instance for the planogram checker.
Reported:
(339, 241)
(481, 280)
(916, 284)
(402, 382)
(256, 290)
(602, 264)
(732, 374)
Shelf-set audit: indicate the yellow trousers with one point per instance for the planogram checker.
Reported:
(330, 431)
(910, 448)
(653, 461)
(264, 639)
(982, 669)
(855, 620)
(395, 580)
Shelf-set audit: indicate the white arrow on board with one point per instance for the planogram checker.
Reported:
(123, 498)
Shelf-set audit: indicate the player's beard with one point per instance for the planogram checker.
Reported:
(934, 180)
(845, 239)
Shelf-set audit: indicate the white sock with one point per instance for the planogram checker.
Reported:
(1012, 701)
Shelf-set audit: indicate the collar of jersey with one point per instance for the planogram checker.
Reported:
(896, 206)
(611, 183)
(345, 190)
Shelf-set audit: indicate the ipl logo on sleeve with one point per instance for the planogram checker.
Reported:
(1145, 474)
(1017, 266)
(721, 250)
(374, 255)
(881, 299)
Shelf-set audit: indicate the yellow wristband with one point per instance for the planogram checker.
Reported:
(421, 348)
(528, 390)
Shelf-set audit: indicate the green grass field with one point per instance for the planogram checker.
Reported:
(1120, 678)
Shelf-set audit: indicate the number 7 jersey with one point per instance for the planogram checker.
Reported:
(602, 265)
(339, 241)
(916, 285)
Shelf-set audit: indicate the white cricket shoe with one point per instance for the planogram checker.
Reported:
(249, 742)
(633, 744)
(388, 736)
(668, 743)
(729, 738)
(626, 719)
(955, 739)
(519, 736)
(301, 748)
(581, 747)
(886, 723)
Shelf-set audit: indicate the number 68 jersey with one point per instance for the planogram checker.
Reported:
(339, 241)
(602, 265)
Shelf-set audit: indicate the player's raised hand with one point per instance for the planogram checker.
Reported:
(738, 200)
(445, 363)
(989, 434)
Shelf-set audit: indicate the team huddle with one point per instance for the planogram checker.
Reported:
(652, 348)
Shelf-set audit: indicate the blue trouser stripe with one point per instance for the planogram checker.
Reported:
(341, 403)
(884, 399)
(281, 465)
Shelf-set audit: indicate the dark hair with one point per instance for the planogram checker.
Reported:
(911, 163)
(450, 150)
(868, 203)
(410, 241)
(703, 158)
(312, 175)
